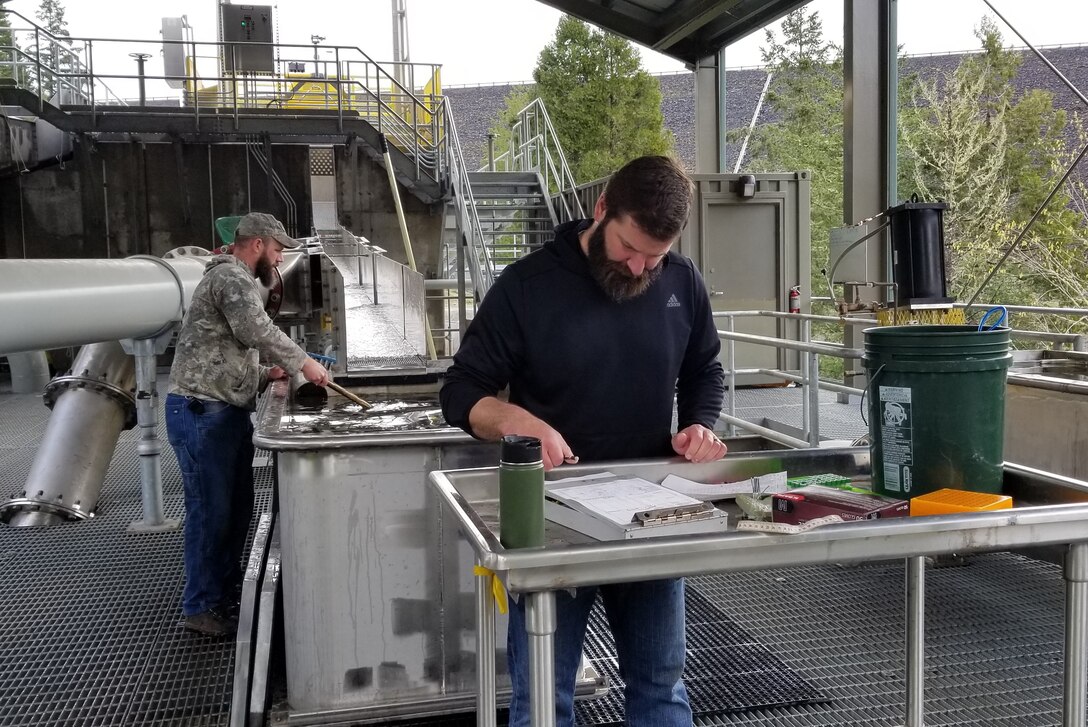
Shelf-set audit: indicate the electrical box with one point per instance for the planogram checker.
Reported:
(852, 266)
(247, 34)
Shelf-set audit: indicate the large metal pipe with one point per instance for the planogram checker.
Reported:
(91, 405)
(56, 303)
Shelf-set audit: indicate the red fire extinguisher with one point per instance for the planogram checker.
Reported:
(795, 299)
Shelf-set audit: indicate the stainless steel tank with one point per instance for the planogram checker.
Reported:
(1046, 411)
(378, 597)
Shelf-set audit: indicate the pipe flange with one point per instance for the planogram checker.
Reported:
(186, 251)
(61, 384)
(16, 505)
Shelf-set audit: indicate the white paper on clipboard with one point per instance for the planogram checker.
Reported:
(763, 484)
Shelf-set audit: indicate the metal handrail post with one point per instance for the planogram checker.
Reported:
(339, 94)
(1075, 573)
(731, 350)
(90, 70)
(916, 627)
(812, 387)
(806, 401)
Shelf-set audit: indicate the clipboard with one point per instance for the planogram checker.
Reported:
(610, 508)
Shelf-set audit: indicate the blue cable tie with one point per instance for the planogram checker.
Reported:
(1002, 317)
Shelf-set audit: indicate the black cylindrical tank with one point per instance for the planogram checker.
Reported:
(917, 230)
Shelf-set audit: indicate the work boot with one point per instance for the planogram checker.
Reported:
(210, 623)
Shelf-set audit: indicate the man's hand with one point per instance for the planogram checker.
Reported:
(314, 372)
(698, 444)
(494, 419)
(276, 373)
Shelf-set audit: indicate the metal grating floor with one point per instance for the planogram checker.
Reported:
(89, 636)
(89, 614)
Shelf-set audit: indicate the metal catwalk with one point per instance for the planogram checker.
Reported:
(89, 613)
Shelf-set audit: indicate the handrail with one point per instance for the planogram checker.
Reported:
(482, 271)
(809, 377)
(353, 81)
(534, 146)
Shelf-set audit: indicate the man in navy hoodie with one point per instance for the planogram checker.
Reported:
(595, 334)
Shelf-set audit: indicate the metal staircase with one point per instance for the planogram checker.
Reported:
(503, 214)
(515, 214)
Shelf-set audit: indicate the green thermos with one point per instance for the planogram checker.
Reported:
(521, 492)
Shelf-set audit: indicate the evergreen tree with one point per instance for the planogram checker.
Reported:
(967, 140)
(54, 55)
(605, 107)
(805, 98)
(7, 45)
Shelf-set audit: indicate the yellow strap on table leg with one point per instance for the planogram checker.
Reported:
(498, 590)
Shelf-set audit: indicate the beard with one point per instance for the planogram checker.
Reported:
(264, 271)
(614, 277)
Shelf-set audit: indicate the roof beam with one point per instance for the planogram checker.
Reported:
(693, 16)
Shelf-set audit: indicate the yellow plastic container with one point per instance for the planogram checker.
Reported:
(947, 501)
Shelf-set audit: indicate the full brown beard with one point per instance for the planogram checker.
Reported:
(264, 271)
(614, 277)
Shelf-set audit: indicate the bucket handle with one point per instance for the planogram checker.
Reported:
(1003, 314)
(872, 380)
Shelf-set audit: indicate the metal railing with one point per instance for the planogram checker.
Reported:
(809, 375)
(402, 100)
(535, 147)
(470, 232)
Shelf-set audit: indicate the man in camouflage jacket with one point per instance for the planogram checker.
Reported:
(214, 383)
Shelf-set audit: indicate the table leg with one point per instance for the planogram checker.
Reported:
(485, 654)
(1076, 614)
(540, 622)
(916, 648)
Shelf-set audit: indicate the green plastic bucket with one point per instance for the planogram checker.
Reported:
(936, 408)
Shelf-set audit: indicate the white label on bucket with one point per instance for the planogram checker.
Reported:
(896, 437)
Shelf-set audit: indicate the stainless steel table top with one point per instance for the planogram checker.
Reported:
(1052, 510)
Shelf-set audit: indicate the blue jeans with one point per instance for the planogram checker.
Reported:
(647, 621)
(215, 453)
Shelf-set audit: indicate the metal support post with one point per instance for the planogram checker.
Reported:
(540, 623)
(485, 653)
(146, 351)
(490, 152)
(1075, 574)
(731, 356)
(916, 627)
(141, 58)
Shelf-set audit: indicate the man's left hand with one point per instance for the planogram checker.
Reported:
(698, 444)
(276, 373)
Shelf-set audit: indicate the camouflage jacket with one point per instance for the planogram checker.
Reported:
(225, 330)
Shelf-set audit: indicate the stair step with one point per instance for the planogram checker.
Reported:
(503, 178)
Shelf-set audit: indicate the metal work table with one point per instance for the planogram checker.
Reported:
(1052, 510)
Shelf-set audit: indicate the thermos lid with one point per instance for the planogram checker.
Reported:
(518, 449)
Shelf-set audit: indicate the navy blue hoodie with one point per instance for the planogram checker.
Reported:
(602, 373)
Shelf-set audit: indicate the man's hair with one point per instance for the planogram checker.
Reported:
(655, 191)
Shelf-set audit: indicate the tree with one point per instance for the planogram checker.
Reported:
(967, 140)
(518, 98)
(7, 45)
(605, 107)
(53, 52)
(805, 98)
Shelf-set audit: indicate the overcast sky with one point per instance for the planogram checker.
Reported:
(485, 41)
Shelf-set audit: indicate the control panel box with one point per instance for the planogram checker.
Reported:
(247, 34)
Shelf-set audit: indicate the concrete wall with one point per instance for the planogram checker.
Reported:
(366, 208)
(115, 199)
